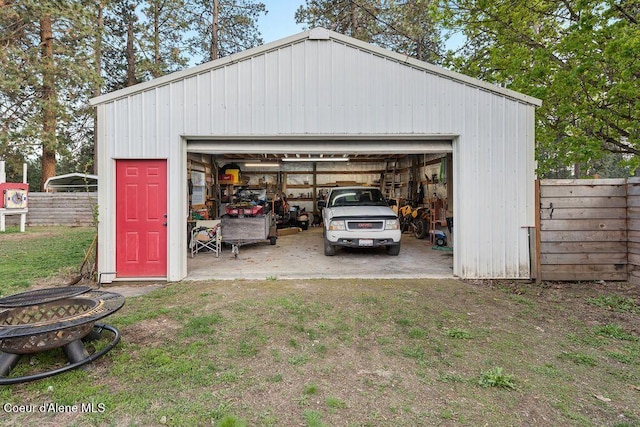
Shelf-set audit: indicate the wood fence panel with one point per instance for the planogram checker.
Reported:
(583, 229)
(633, 224)
(70, 209)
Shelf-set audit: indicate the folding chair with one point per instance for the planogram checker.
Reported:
(206, 236)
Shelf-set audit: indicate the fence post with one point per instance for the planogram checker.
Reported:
(536, 255)
(633, 227)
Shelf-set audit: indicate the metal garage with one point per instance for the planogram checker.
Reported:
(320, 93)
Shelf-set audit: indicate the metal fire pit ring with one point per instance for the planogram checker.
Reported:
(53, 324)
(40, 296)
(13, 360)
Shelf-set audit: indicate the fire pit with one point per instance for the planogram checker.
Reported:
(51, 318)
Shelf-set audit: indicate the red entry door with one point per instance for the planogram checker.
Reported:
(141, 218)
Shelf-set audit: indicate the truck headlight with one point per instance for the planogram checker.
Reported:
(391, 224)
(336, 226)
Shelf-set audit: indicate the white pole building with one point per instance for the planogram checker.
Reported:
(315, 92)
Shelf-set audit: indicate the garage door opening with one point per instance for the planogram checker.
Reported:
(290, 181)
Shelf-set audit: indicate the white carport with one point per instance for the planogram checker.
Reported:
(320, 92)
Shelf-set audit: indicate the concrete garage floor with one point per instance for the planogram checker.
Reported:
(300, 256)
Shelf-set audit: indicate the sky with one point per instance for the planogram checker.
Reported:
(280, 20)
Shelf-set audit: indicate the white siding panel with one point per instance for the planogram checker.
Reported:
(311, 80)
(218, 102)
(244, 96)
(338, 88)
(498, 212)
(257, 95)
(232, 99)
(325, 86)
(191, 101)
(121, 126)
(272, 87)
(285, 91)
(178, 110)
(414, 101)
(203, 104)
(164, 115)
(299, 88)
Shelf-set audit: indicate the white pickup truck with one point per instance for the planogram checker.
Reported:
(359, 217)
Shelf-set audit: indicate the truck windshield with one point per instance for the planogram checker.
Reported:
(356, 197)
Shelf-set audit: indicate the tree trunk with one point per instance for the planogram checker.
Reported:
(49, 101)
(156, 40)
(215, 51)
(97, 91)
(354, 20)
(131, 54)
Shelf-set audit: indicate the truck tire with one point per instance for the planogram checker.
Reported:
(329, 249)
(393, 250)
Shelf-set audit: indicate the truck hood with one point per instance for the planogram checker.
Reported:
(361, 212)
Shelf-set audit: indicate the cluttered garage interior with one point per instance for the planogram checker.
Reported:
(259, 213)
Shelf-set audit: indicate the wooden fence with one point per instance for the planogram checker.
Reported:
(633, 224)
(583, 230)
(71, 209)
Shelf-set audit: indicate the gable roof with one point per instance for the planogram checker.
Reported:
(315, 34)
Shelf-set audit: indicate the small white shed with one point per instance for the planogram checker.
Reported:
(317, 92)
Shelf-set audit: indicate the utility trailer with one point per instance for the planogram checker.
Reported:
(244, 230)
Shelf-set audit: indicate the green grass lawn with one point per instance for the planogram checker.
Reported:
(40, 253)
(353, 353)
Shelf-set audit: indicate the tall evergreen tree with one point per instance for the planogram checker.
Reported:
(163, 39)
(403, 26)
(359, 19)
(46, 74)
(224, 27)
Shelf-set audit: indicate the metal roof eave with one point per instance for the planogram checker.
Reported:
(69, 179)
(315, 34)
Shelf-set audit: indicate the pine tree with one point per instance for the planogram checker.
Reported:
(46, 74)
(403, 26)
(224, 27)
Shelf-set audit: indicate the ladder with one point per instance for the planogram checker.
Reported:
(390, 179)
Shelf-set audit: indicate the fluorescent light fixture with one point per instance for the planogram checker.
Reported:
(262, 165)
(315, 159)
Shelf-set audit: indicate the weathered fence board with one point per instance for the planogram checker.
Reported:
(71, 209)
(575, 275)
(584, 247)
(583, 229)
(583, 236)
(584, 224)
(582, 213)
(583, 202)
(584, 259)
(598, 188)
(633, 224)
